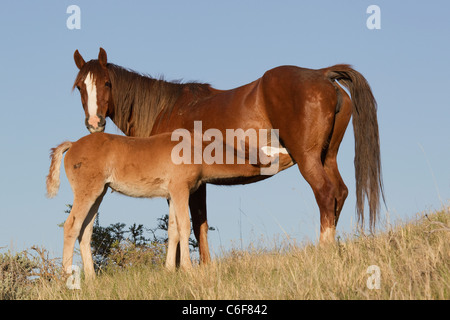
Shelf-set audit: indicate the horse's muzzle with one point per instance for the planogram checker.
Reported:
(95, 125)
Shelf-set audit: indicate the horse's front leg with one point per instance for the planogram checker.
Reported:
(197, 205)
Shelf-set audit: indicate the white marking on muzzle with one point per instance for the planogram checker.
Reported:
(91, 89)
(272, 151)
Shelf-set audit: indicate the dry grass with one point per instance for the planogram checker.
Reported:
(413, 258)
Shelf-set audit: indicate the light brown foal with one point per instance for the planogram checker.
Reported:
(138, 167)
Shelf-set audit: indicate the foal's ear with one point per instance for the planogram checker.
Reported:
(79, 61)
(102, 58)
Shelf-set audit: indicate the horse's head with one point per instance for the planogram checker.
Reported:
(94, 85)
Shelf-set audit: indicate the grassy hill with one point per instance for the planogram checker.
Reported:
(409, 261)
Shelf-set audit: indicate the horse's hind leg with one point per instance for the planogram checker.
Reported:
(324, 190)
(330, 163)
(85, 238)
(310, 164)
(74, 223)
(306, 135)
(72, 228)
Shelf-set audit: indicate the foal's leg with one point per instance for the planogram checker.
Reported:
(197, 205)
(174, 238)
(85, 238)
(180, 204)
(72, 227)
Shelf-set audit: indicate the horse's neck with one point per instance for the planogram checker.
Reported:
(164, 96)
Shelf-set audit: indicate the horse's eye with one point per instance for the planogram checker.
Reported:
(108, 84)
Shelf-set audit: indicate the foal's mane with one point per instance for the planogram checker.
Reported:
(139, 99)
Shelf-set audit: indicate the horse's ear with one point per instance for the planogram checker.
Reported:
(102, 58)
(79, 61)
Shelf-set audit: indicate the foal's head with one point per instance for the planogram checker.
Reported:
(94, 85)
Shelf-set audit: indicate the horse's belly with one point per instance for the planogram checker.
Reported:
(144, 188)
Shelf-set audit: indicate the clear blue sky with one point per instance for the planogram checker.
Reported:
(225, 43)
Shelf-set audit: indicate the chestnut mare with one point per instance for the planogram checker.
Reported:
(308, 107)
(139, 167)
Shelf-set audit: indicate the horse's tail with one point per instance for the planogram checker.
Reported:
(53, 175)
(367, 142)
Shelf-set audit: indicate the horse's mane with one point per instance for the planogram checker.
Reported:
(139, 99)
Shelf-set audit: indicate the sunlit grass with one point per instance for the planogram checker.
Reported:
(413, 259)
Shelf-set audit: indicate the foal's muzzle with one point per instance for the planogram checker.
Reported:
(95, 124)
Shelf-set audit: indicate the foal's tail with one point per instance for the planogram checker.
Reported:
(367, 142)
(53, 175)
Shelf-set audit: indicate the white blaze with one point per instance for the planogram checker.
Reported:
(92, 95)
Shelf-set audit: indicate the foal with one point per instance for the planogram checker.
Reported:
(137, 167)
